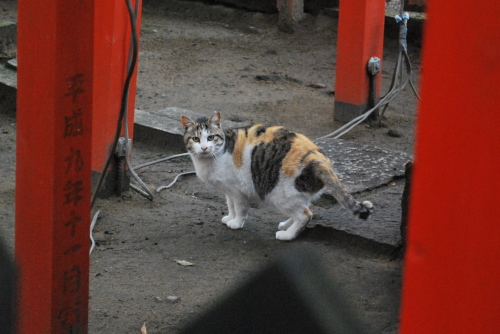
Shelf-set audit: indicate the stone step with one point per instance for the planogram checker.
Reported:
(8, 39)
(8, 90)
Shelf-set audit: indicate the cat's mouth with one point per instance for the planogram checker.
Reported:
(204, 153)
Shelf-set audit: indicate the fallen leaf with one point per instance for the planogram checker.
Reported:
(184, 263)
(143, 329)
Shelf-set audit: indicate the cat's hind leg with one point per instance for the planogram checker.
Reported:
(284, 225)
(299, 221)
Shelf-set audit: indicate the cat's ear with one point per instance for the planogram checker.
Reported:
(186, 122)
(215, 119)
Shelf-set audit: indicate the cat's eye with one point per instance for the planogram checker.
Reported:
(195, 139)
(210, 138)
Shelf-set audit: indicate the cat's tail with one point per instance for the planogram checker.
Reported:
(326, 173)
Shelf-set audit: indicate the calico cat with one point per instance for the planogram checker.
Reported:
(264, 164)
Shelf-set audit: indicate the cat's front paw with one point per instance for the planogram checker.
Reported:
(365, 210)
(235, 223)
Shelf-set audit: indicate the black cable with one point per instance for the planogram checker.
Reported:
(124, 99)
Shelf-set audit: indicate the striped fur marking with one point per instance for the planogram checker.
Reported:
(230, 140)
(254, 135)
(260, 130)
(202, 121)
(267, 159)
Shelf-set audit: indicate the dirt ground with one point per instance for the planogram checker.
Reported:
(203, 58)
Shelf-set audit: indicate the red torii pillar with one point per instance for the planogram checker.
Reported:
(360, 37)
(452, 271)
(53, 185)
(72, 58)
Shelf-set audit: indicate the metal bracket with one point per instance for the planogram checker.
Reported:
(373, 66)
(122, 176)
(121, 147)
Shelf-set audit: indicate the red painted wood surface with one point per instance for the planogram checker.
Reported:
(452, 271)
(54, 115)
(72, 58)
(360, 37)
(111, 54)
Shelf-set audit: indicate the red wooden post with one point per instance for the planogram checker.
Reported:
(360, 37)
(53, 184)
(452, 271)
(72, 64)
(111, 54)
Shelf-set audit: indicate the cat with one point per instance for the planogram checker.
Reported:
(264, 164)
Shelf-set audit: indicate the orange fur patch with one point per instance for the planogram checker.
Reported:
(267, 137)
(239, 146)
(301, 145)
(308, 214)
(251, 138)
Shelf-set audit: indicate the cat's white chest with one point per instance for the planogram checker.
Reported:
(204, 169)
(223, 175)
(213, 171)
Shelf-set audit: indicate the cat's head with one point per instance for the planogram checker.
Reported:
(204, 137)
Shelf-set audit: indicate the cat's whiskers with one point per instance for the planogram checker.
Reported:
(216, 155)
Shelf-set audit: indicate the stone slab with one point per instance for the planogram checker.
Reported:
(383, 227)
(255, 5)
(363, 167)
(8, 39)
(8, 77)
(8, 90)
(12, 63)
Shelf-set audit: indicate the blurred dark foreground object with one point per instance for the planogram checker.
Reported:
(292, 295)
(7, 291)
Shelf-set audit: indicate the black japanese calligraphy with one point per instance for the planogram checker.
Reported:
(73, 125)
(75, 219)
(74, 160)
(70, 315)
(73, 192)
(75, 86)
(72, 280)
(73, 249)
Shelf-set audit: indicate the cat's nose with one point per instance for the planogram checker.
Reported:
(204, 149)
